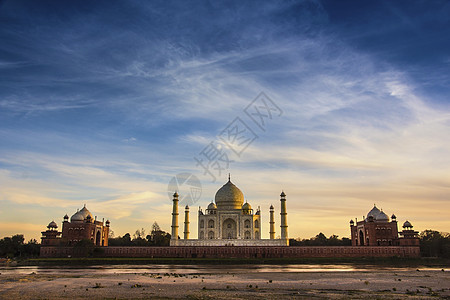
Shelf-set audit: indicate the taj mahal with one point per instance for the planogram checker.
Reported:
(228, 221)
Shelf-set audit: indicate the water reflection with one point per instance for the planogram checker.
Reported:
(197, 269)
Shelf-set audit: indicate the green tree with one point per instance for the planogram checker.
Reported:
(121, 241)
(159, 237)
(321, 240)
(84, 248)
(12, 246)
(434, 243)
(155, 227)
(31, 249)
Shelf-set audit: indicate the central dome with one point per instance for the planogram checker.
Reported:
(229, 196)
(374, 212)
(81, 215)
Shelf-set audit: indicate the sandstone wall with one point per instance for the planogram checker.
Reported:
(240, 252)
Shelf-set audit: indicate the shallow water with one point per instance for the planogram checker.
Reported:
(198, 269)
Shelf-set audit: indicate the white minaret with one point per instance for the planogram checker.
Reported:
(272, 224)
(186, 222)
(283, 213)
(175, 217)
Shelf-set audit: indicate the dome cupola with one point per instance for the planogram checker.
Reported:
(52, 225)
(229, 197)
(81, 215)
(382, 216)
(212, 206)
(407, 225)
(374, 212)
(76, 217)
(246, 206)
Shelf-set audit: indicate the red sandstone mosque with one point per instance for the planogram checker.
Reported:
(82, 226)
(377, 230)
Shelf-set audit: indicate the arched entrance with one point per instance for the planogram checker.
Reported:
(361, 238)
(97, 238)
(247, 224)
(229, 229)
(211, 224)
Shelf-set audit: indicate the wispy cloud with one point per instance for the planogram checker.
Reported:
(108, 116)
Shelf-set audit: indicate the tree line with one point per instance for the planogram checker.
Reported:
(321, 240)
(157, 237)
(15, 246)
(434, 244)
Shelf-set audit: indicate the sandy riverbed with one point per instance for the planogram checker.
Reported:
(376, 284)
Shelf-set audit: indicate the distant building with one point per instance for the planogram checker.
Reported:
(229, 221)
(51, 237)
(377, 230)
(82, 226)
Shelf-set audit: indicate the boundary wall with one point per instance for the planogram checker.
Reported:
(238, 251)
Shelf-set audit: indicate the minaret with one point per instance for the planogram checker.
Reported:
(186, 222)
(283, 213)
(175, 217)
(272, 224)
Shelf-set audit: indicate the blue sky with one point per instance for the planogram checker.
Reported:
(103, 103)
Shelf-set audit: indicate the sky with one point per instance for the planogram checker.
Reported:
(340, 104)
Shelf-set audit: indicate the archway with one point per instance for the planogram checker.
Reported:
(247, 223)
(211, 235)
(97, 238)
(361, 238)
(229, 229)
(211, 224)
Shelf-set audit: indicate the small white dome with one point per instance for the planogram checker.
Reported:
(52, 224)
(212, 206)
(407, 224)
(246, 206)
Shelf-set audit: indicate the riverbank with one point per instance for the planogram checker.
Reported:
(390, 261)
(238, 282)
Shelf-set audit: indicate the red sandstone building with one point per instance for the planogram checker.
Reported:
(377, 230)
(82, 226)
